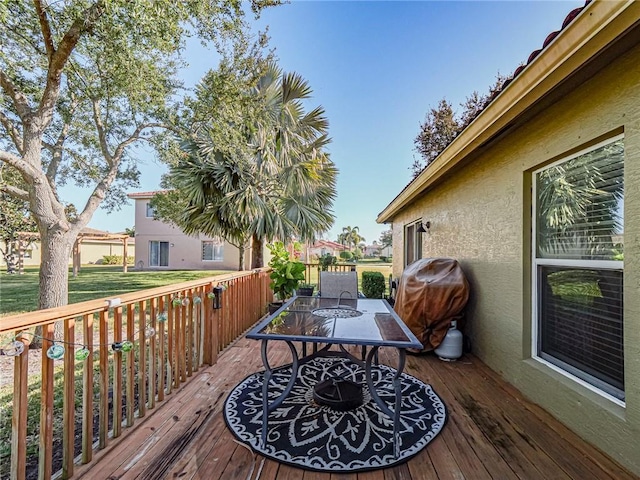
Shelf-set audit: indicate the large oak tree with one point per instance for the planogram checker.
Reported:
(80, 83)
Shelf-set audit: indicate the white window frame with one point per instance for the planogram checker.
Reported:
(150, 211)
(215, 243)
(159, 242)
(417, 242)
(536, 262)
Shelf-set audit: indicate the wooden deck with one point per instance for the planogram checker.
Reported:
(492, 432)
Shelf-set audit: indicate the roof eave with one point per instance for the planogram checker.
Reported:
(597, 27)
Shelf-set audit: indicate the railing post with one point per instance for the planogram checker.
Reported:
(103, 355)
(142, 358)
(117, 373)
(152, 355)
(46, 407)
(19, 418)
(68, 400)
(207, 345)
(130, 357)
(87, 391)
(162, 364)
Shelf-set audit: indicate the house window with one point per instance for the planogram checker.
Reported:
(412, 243)
(212, 251)
(158, 254)
(150, 211)
(578, 266)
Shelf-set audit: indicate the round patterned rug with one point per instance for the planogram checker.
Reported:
(305, 434)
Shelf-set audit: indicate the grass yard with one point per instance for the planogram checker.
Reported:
(19, 293)
(371, 266)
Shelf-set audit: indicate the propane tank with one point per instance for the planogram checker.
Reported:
(451, 346)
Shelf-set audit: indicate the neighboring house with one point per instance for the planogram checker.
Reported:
(530, 199)
(324, 247)
(372, 250)
(162, 246)
(376, 250)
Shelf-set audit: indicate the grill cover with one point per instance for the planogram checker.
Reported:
(432, 293)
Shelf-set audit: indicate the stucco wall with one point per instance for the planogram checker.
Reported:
(91, 251)
(480, 216)
(185, 252)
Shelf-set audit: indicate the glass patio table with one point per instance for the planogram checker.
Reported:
(330, 321)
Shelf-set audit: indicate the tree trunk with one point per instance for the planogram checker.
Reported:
(54, 274)
(240, 258)
(54, 268)
(257, 260)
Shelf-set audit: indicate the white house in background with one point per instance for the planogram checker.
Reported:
(376, 250)
(162, 246)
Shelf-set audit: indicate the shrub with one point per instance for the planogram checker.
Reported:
(115, 260)
(373, 284)
(346, 255)
(326, 260)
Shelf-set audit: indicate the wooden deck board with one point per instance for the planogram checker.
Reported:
(492, 432)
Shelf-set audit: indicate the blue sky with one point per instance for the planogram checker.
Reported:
(377, 68)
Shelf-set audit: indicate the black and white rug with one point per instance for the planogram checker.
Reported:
(307, 435)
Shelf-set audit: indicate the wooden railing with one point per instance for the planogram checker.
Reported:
(312, 270)
(139, 348)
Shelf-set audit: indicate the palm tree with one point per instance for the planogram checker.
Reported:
(280, 184)
(350, 236)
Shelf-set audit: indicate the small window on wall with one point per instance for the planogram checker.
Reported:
(212, 251)
(578, 266)
(412, 243)
(150, 210)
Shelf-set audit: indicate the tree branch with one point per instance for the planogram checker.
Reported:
(58, 147)
(96, 197)
(102, 136)
(15, 192)
(19, 99)
(136, 136)
(13, 132)
(45, 27)
(59, 59)
(19, 164)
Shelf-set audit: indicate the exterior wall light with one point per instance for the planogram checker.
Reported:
(217, 294)
(424, 227)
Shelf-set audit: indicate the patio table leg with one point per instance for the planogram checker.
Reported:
(266, 407)
(397, 386)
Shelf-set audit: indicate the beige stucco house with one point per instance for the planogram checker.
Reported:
(539, 200)
(163, 246)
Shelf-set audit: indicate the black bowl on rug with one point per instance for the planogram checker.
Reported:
(308, 435)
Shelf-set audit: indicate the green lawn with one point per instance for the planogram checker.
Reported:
(19, 293)
(370, 266)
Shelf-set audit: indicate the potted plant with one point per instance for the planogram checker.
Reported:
(285, 276)
(306, 289)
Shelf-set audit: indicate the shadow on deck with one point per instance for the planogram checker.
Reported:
(492, 432)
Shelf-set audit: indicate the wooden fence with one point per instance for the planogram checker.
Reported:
(119, 359)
